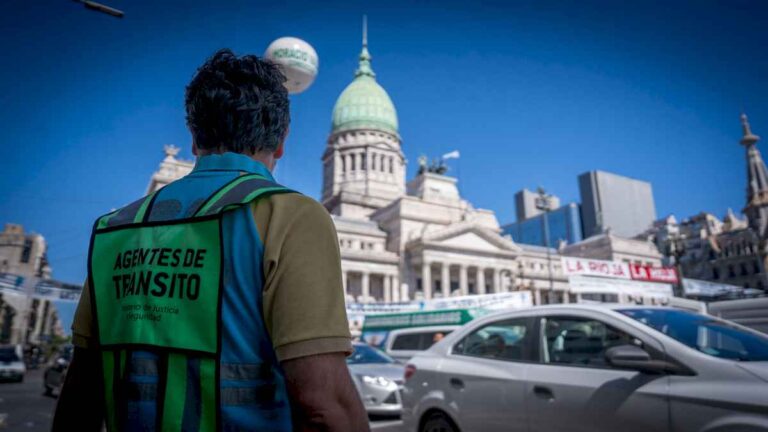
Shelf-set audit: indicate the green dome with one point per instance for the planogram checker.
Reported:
(364, 104)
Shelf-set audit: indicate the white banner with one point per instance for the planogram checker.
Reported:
(708, 289)
(589, 267)
(516, 299)
(47, 289)
(596, 285)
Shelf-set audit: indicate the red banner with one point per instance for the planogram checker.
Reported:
(653, 274)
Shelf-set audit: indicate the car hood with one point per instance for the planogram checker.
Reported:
(16, 365)
(392, 371)
(758, 369)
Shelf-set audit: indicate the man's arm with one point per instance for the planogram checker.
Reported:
(305, 315)
(323, 397)
(80, 406)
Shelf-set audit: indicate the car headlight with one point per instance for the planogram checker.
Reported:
(377, 381)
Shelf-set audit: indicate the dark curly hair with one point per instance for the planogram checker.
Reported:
(237, 104)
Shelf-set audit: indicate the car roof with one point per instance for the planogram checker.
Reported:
(425, 329)
(593, 307)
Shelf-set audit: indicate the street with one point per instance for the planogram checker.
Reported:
(24, 408)
(23, 405)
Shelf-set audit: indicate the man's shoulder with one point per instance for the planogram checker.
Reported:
(290, 211)
(292, 203)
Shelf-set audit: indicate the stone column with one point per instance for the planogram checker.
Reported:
(480, 280)
(536, 296)
(366, 289)
(401, 288)
(387, 289)
(463, 287)
(358, 164)
(445, 279)
(344, 282)
(496, 281)
(426, 279)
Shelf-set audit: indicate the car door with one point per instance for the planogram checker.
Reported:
(483, 376)
(572, 388)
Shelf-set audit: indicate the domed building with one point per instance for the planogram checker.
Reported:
(364, 166)
(408, 240)
(403, 241)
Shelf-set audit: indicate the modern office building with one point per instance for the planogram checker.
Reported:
(612, 202)
(525, 204)
(564, 226)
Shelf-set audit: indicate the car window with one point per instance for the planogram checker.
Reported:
(364, 354)
(579, 341)
(8, 355)
(705, 333)
(408, 341)
(501, 340)
(418, 341)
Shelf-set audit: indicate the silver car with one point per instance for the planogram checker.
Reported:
(378, 378)
(593, 368)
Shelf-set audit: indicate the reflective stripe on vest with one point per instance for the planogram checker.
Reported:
(156, 286)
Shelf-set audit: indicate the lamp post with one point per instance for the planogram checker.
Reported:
(544, 203)
(676, 249)
(98, 7)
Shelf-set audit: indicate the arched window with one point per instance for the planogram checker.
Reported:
(391, 165)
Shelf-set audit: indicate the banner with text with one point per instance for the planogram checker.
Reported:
(653, 274)
(599, 268)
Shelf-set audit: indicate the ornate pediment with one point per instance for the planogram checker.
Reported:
(467, 236)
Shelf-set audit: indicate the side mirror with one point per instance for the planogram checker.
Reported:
(634, 357)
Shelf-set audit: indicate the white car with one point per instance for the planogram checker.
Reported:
(11, 364)
(591, 368)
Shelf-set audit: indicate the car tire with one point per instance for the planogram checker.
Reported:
(438, 422)
(48, 391)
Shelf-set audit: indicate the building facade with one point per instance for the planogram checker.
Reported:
(621, 204)
(24, 318)
(732, 250)
(23, 253)
(525, 204)
(563, 223)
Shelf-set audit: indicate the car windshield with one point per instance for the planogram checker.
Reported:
(8, 355)
(707, 334)
(367, 354)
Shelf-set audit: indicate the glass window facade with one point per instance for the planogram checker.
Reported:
(564, 224)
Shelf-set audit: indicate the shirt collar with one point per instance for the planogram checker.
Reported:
(231, 162)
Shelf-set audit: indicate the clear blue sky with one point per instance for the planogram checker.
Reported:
(530, 93)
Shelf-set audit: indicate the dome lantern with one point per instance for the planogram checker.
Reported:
(364, 104)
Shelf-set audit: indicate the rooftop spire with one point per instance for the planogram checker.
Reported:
(364, 67)
(749, 138)
(757, 182)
